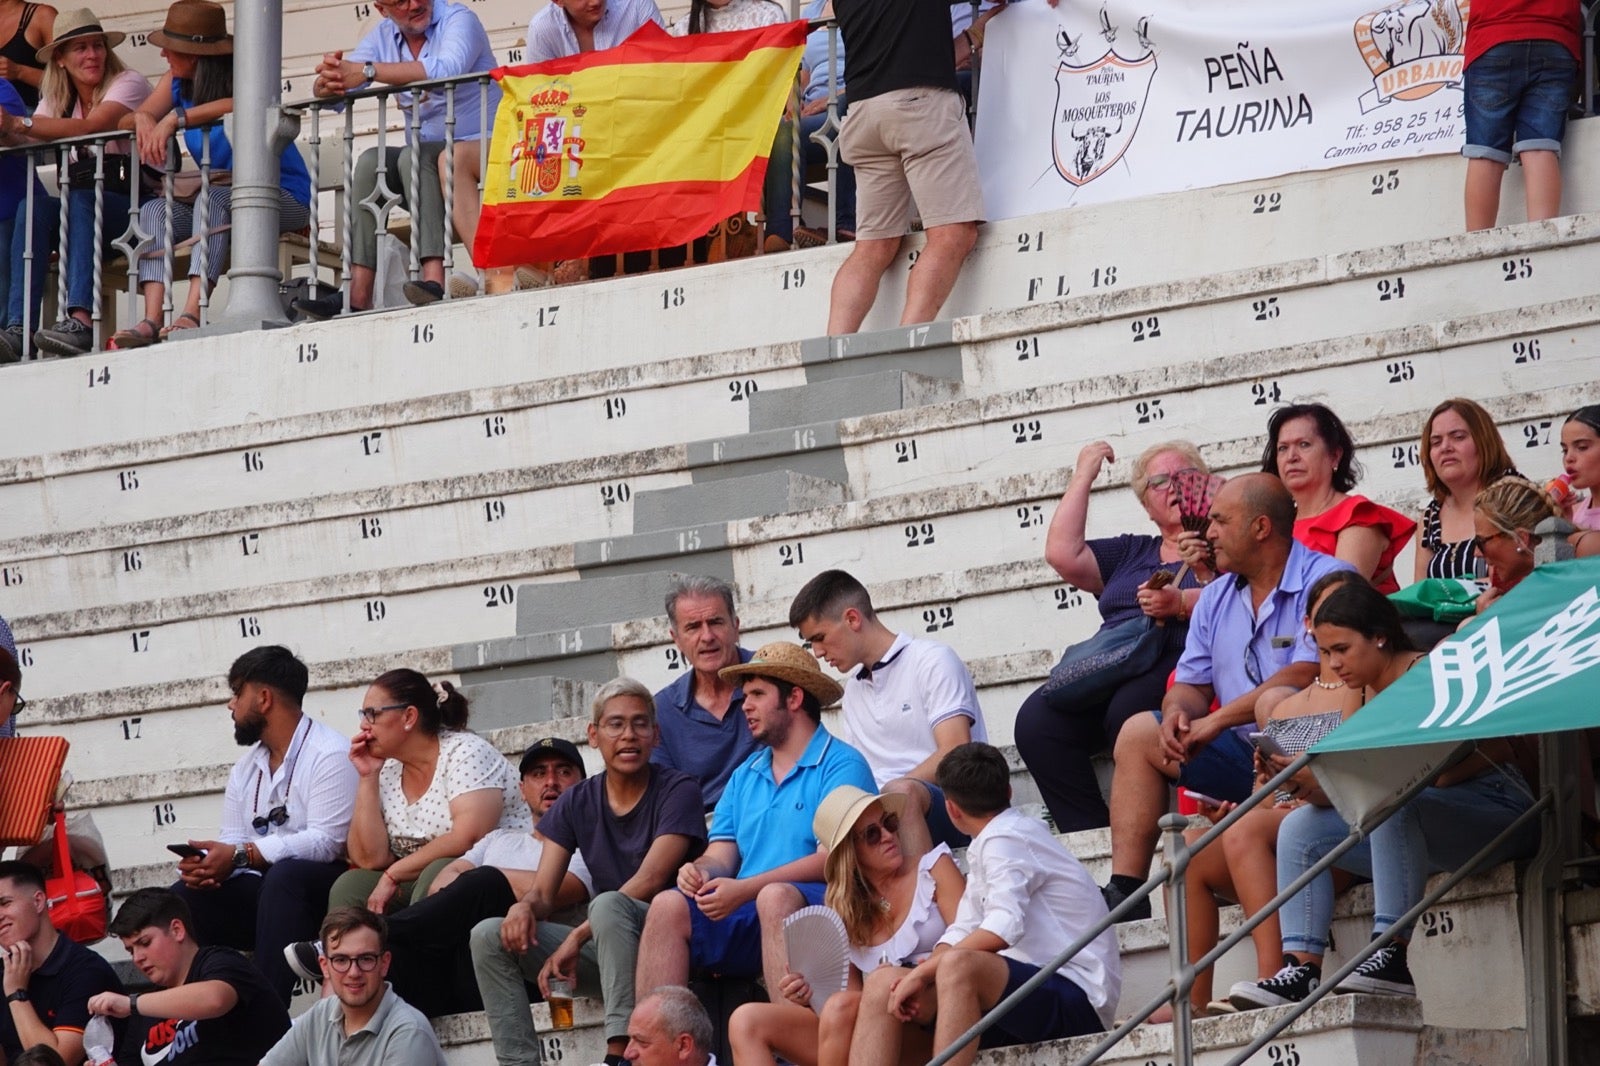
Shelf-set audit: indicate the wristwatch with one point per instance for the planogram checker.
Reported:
(369, 70)
(19, 996)
(133, 1005)
(241, 857)
(27, 122)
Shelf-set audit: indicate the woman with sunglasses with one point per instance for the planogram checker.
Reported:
(894, 908)
(1580, 464)
(1504, 517)
(1461, 452)
(1311, 452)
(1055, 737)
(429, 791)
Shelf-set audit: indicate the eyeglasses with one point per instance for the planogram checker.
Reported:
(18, 704)
(615, 727)
(1252, 664)
(271, 820)
(872, 835)
(1161, 481)
(365, 962)
(1479, 542)
(370, 714)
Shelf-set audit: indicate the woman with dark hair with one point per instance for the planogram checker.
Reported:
(1359, 633)
(196, 90)
(1580, 464)
(1461, 451)
(1311, 452)
(429, 791)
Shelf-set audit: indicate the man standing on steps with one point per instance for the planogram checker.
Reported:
(263, 884)
(701, 714)
(726, 915)
(906, 136)
(1247, 635)
(908, 703)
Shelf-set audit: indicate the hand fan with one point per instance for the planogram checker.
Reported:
(1194, 491)
(818, 951)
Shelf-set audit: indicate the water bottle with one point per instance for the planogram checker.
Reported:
(98, 1039)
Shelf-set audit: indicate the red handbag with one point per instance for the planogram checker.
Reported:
(77, 903)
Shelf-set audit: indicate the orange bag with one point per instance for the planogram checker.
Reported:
(30, 769)
(77, 903)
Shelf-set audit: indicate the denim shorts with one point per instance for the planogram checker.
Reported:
(1517, 95)
(1224, 769)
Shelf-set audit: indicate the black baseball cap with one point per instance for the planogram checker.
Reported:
(551, 746)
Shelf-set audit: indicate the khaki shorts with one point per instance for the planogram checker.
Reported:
(911, 143)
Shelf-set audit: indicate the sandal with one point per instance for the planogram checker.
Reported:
(177, 325)
(133, 337)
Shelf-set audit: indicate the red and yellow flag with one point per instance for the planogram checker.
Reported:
(645, 145)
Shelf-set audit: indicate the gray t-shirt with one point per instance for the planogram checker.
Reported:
(396, 1035)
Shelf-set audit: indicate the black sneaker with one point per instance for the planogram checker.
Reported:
(1384, 974)
(421, 293)
(1293, 983)
(67, 337)
(320, 307)
(1114, 897)
(12, 344)
(303, 957)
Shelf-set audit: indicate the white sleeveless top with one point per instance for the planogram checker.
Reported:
(918, 933)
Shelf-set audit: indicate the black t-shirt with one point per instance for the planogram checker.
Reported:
(896, 44)
(59, 990)
(613, 848)
(239, 1038)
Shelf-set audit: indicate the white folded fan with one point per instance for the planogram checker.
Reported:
(818, 951)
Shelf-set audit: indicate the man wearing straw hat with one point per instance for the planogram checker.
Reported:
(763, 862)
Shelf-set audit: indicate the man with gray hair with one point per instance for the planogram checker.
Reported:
(701, 714)
(669, 1027)
(633, 824)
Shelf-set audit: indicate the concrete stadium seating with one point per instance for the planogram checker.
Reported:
(493, 490)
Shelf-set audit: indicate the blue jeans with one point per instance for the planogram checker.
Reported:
(777, 197)
(1434, 833)
(81, 279)
(46, 223)
(1516, 97)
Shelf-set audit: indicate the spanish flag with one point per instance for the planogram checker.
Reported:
(646, 145)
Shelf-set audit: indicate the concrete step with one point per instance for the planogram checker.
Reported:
(848, 397)
(728, 499)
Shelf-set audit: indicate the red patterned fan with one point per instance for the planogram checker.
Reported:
(1194, 490)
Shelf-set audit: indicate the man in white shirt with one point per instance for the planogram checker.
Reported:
(907, 702)
(364, 1023)
(285, 816)
(568, 27)
(1026, 899)
(670, 1027)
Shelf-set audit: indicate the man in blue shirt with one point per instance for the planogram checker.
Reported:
(763, 862)
(1247, 635)
(417, 40)
(568, 27)
(700, 716)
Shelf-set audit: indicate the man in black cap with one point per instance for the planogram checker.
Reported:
(432, 966)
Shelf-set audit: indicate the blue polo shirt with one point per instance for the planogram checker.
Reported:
(771, 822)
(695, 741)
(1233, 648)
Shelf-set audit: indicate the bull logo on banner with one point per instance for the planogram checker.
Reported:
(1413, 49)
(1099, 103)
(551, 140)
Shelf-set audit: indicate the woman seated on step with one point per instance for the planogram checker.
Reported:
(429, 791)
(1461, 451)
(894, 907)
(1240, 866)
(1311, 452)
(1057, 736)
(1358, 631)
(1504, 517)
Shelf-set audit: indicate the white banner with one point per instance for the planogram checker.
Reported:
(1089, 102)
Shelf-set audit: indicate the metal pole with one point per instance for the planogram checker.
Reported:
(260, 131)
(1177, 856)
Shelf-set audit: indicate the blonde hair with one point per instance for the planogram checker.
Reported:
(848, 893)
(622, 686)
(55, 85)
(1148, 456)
(1515, 504)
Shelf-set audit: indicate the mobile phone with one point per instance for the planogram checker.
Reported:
(187, 851)
(1201, 797)
(1267, 745)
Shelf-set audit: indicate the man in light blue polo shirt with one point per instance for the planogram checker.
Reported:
(568, 27)
(417, 40)
(1247, 635)
(763, 862)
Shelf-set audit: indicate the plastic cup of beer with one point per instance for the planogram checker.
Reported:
(560, 1002)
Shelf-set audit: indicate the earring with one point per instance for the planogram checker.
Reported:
(1380, 644)
(1521, 550)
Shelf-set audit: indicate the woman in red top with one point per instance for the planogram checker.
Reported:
(1309, 449)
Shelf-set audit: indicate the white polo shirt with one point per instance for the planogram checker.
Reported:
(892, 706)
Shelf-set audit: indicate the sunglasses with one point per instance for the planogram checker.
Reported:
(18, 704)
(873, 834)
(1479, 542)
(271, 820)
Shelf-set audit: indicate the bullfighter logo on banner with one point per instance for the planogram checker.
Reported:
(1099, 103)
(1413, 49)
(551, 139)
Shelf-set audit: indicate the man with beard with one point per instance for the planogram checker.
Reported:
(364, 1023)
(763, 863)
(285, 816)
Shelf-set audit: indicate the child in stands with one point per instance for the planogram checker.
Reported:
(1522, 59)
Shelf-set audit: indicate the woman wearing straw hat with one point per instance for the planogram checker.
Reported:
(197, 89)
(86, 89)
(894, 908)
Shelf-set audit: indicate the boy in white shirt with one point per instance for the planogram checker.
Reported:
(1026, 899)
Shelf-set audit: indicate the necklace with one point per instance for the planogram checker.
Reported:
(883, 904)
(1329, 685)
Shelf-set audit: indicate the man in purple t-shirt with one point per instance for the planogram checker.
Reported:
(634, 824)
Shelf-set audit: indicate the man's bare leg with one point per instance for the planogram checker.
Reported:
(970, 982)
(664, 944)
(1138, 796)
(855, 287)
(936, 270)
(774, 903)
